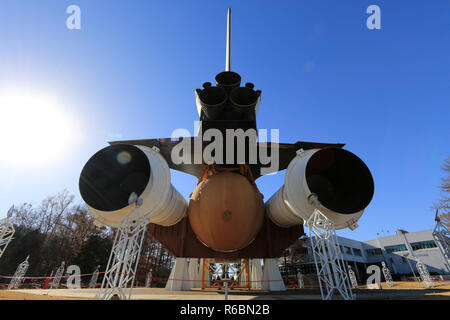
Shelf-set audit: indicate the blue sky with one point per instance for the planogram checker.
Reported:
(132, 69)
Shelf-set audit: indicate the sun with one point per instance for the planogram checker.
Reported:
(34, 128)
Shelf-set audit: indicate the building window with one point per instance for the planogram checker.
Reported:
(357, 252)
(307, 269)
(423, 245)
(374, 252)
(396, 248)
(348, 250)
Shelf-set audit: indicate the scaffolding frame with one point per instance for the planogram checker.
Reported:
(18, 276)
(220, 265)
(387, 275)
(330, 266)
(352, 277)
(424, 274)
(6, 231)
(94, 278)
(441, 235)
(125, 253)
(57, 278)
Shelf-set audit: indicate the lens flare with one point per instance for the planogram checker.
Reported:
(123, 157)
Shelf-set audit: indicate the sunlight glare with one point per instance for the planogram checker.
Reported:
(34, 128)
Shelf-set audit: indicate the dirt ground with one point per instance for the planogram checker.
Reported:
(14, 295)
(400, 291)
(407, 290)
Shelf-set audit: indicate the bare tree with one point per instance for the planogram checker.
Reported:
(62, 227)
(444, 202)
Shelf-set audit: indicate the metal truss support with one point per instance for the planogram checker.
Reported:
(327, 255)
(121, 270)
(17, 278)
(441, 235)
(94, 278)
(217, 272)
(57, 278)
(387, 275)
(352, 277)
(424, 274)
(6, 231)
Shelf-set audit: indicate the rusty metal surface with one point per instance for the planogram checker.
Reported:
(181, 241)
(226, 211)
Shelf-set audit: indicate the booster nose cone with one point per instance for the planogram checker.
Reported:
(226, 212)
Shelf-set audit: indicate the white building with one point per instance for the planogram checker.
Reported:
(399, 251)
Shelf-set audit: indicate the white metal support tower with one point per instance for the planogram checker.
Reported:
(6, 231)
(441, 235)
(148, 279)
(57, 278)
(351, 275)
(301, 283)
(387, 275)
(17, 278)
(327, 254)
(424, 274)
(124, 258)
(94, 278)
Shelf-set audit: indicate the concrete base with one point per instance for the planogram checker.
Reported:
(194, 273)
(271, 279)
(256, 273)
(179, 276)
(373, 286)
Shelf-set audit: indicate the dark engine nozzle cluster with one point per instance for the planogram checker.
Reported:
(228, 100)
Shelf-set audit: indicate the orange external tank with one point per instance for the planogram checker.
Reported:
(226, 211)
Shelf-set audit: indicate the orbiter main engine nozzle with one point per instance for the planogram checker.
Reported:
(342, 182)
(212, 100)
(244, 99)
(113, 173)
(228, 80)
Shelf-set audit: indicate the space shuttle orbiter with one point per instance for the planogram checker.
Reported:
(226, 216)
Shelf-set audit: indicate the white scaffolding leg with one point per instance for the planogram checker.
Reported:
(17, 278)
(441, 235)
(124, 258)
(327, 256)
(424, 274)
(94, 278)
(300, 282)
(57, 278)
(148, 279)
(387, 275)
(351, 275)
(6, 231)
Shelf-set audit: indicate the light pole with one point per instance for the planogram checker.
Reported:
(407, 260)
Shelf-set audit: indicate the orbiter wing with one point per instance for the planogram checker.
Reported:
(287, 152)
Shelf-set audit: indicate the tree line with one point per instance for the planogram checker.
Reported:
(62, 229)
